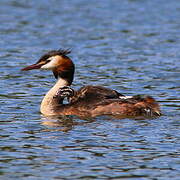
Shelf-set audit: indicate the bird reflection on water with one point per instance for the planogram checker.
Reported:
(67, 123)
(63, 123)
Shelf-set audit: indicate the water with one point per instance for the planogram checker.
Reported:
(131, 46)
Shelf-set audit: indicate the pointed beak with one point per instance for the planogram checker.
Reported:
(158, 113)
(33, 66)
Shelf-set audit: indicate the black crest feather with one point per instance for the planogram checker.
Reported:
(64, 51)
(60, 52)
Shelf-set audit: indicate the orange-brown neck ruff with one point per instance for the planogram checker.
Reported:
(65, 70)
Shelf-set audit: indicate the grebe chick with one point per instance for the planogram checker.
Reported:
(88, 101)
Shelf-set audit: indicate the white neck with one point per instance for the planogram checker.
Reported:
(48, 103)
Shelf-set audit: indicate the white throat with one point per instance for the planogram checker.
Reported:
(60, 83)
(48, 103)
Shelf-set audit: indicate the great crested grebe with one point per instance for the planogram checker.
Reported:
(89, 101)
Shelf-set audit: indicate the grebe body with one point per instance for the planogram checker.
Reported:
(88, 101)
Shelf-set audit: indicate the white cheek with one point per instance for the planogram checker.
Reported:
(51, 65)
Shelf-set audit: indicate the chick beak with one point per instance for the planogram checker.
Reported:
(158, 113)
(33, 66)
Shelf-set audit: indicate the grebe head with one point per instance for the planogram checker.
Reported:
(51, 60)
(57, 61)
